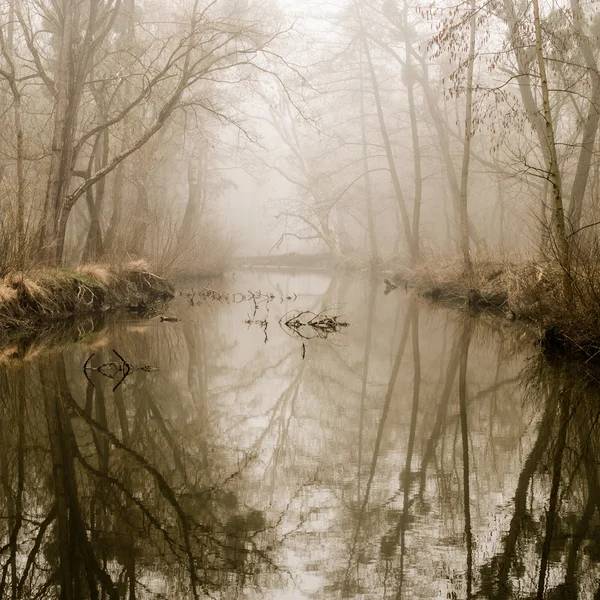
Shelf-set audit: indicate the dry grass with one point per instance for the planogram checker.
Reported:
(529, 291)
(8, 294)
(99, 273)
(523, 289)
(38, 297)
(136, 265)
(35, 291)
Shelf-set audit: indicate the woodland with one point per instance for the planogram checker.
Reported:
(457, 140)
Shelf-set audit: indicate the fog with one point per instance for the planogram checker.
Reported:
(181, 419)
(185, 133)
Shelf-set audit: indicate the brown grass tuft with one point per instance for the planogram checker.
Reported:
(99, 273)
(137, 265)
(7, 293)
(34, 291)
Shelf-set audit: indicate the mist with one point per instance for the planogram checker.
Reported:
(363, 130)
(299, 299)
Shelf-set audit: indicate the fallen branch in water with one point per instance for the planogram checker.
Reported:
(306, 324)
(195, 297)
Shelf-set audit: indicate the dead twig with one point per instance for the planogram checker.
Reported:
(306, 324)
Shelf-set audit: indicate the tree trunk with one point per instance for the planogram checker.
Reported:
(189, 223)
(375, 258)
(446, 152)
(408, 237)
(553, 169)
(137, 242)
(65, 116)
(115, 217)
(94, 247)
(534, 114)
(464, 179)
(414, 128)
(20, 224)
(7, 47)
(590, 127)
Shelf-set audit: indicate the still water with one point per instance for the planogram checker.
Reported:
(415, 453)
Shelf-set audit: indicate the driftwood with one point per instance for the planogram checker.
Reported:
(207, 293)
(306, 324)
(120, 369)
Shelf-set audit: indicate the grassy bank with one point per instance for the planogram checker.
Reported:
(37, 297)
(529, 291)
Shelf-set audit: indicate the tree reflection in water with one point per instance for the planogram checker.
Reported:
(103, 500)
(417, 455)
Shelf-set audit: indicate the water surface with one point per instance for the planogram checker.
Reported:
(416, 453)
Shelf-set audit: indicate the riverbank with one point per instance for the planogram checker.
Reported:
(531, 292)
(38, 297)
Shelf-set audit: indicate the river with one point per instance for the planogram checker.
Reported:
(376, 447)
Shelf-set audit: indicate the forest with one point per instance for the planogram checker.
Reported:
(230, 232)
(452, 143)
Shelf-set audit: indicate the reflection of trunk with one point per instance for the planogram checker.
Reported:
(122, 414)
(13, 497)
(518, 518)
(75, 551)
(464, 429)
(64, 478)
(554, 500)
(365, 374)
(406, 480)
(382, 421)
(441, 416)
(196, 368)
(578, 539)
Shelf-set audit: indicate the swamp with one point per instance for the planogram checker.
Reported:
(299, 300)
(414, 452)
